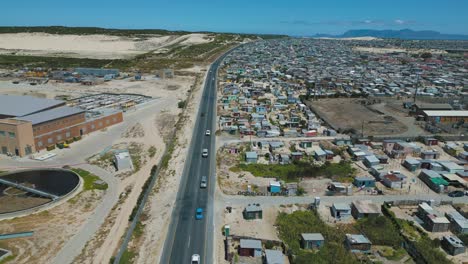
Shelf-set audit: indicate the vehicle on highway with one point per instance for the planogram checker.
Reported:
(208, 132)
(456, 194)
(195, 259)
(203, 182)
(199, 213)
(204, 153)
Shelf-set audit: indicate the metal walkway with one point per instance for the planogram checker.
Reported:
(28, 189)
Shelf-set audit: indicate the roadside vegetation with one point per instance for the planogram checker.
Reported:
(89, 180)
(342, 171)
(291, 226)
(426, 248)
(15, 61)
(381, 231)
(151, 151)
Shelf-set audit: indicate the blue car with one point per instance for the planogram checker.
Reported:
(199, 214)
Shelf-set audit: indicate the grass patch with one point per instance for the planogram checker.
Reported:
(424, 245)
(89, 180)
(15, 61)
(464, 238)
(7, 259)
(135, 150)
(293, 172)
(397, 254)
(127, 257)
(380, 230)
(138, 231)
(290, 227)
(235, 169)
(151, 151)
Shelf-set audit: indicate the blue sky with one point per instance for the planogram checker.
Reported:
(253, 16)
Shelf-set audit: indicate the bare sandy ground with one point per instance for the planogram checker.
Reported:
(391, 50)
(90, 46)
(67, 217)
(175, 88)
(152, 130)
(160, 205)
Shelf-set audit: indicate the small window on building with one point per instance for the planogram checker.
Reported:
(12, 134)
(67, 135)
(50, 140)
(59, 137)
(39, 143)
(114, 119)
(107, 121)
(100, 124)
(2, 133)
(28, 150)
(93, 126)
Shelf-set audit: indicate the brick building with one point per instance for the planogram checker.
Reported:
(29, 124)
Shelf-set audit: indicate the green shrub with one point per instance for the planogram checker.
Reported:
(292, 172)
(380, 230)
(181, 104)
(291, 226)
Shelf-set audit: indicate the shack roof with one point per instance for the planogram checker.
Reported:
(251, 155)
(341, 206)
(454, 241)
(372, 158)
(451, 165)
(253, 208)
(430, 173)
(274, 256)
(412, 161)
(434, 106)
(366, 207)
(13, 105)
(364, 178)
(251, 243)
(357, 239)
(312, 236)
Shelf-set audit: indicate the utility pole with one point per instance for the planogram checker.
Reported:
(362, 129)
(315, 89)
(416, 91)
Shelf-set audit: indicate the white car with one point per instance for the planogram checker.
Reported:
(195, 259)
(208, 132)
(204, 153)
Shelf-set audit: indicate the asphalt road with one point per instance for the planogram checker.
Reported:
(186, 235)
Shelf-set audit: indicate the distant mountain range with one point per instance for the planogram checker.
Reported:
(400, 34)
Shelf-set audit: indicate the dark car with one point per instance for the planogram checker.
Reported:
(456, 194)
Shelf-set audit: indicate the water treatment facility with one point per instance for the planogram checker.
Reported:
(29, 124)
(29, 189)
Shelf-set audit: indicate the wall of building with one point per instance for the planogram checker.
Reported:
(58, 124)
(16, 137)
(447, 119)
(62, 134)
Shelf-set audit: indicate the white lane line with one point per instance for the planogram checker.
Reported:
(188, 244)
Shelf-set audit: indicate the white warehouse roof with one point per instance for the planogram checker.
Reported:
(458, 113)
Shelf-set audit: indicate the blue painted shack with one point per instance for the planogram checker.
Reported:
(312, 240)
(364, 182)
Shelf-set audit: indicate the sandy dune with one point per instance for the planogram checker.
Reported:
(90, 46)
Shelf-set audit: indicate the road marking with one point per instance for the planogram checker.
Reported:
(188, 244)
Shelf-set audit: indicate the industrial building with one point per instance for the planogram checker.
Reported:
(29, 124)
(446, 117)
